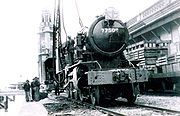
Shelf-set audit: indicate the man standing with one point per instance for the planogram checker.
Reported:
(33, 90)
(26, 88)
(56, 87)
(36, 89)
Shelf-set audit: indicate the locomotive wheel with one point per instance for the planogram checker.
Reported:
(95, 96)
(131, 99)
(130, 94)
(142, 88)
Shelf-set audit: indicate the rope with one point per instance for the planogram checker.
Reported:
(63, 25)
(54, 13)
(59, 23)
(80, 21)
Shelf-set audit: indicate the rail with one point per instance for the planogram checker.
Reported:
(111, 112)
(99, 108)
(158, 108)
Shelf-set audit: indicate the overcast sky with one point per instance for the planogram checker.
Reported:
(19, 26)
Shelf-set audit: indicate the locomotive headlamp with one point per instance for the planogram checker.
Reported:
(105, 24)
(111, 23)
(108, 23)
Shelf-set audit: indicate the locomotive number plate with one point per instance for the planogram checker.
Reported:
(99, 77)
(109, 30)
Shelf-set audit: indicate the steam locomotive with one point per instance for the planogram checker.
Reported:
(92, 66)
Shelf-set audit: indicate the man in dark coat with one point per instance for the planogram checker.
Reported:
(26, 88)
(56, 87)
(32, 90)
(36, 89)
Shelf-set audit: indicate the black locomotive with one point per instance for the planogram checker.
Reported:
(92, 66)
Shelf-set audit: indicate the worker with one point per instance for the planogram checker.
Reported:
(26, 88)
(32, 90)
(56, 88)
(70, 49)
(36, 89)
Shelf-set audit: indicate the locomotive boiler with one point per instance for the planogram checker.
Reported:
(92, 66)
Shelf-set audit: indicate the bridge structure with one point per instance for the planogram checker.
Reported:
(154, 42)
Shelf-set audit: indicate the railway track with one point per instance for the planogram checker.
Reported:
(99, 108)
(148, 107)
(158, 108)
(110, 111)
